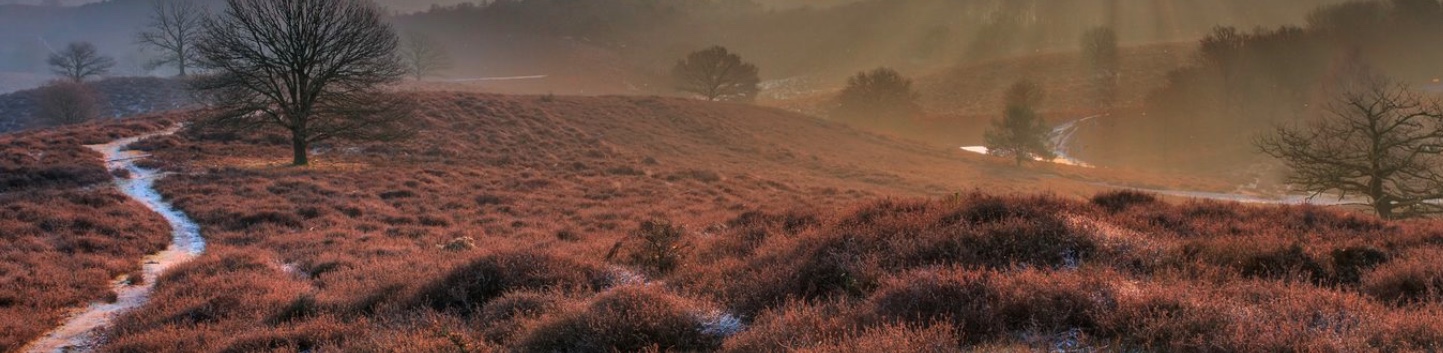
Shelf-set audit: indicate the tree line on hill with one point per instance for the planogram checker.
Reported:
(1247, 81)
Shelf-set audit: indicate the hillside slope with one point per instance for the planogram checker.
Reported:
(539, 223)
(118, 97)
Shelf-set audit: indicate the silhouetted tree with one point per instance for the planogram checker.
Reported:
(1099, 48)
(174, 27)
(79, 61)
(314, 68)
(424, 56)
(717, 74)
(880, 92)
(1378, 139)
(67, 102)
(1021, 133)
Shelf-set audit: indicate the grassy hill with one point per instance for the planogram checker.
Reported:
(541, 223)
(117, 97)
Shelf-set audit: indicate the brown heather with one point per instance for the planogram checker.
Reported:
(490, 233)
(64, 236)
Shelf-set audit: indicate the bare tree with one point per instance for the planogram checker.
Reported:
(717, 74)
(66, 102)
(314, 68)
(1378, 139)
(1021, 133)
(424, 56)
(79, 61)
(174, 27)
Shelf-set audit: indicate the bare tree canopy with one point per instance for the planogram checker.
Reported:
(174, 27)
(1378, 139)
(79, 61)
(717, 74)
(67, 102)
(315, 68)
(424, 56)
(1021, 133)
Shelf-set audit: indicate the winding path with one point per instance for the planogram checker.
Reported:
(79, 333)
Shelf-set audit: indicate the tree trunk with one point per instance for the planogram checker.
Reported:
(1384, 208)
(299, 147)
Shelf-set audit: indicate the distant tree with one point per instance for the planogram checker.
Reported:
(876, 93)
(1099, 47)
(424, 56)
(314, 68)
(717, 74)
(174, 27)
(66, 102)
(1378, 139)
(1021, 133)
(79, 61)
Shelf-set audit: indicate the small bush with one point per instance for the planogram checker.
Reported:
(946, 295)
(657, 246)
(625, 319)
(1117, 201)
(1415, 277)
(1350, 263)
(469, 287)
(938, 338)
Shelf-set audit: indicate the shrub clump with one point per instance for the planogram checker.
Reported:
(657, 246)
(1415, 277)
(987, 305)
(1118, 201)
(625, 319)
(467, 288)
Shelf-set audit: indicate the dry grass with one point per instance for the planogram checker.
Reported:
(64, 236)
(491, 233)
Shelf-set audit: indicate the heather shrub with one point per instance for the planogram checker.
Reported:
(657, 246)
(1118, 201)
(505, 316)
(984, 306)
(1041, 241)
(1283, 263)
(981, 209)
(952, 295)
(793, 325)
(624, 319)
(937, 338)
(1160, 318)
(467, 288)
(1350, 263)
(1415, 277)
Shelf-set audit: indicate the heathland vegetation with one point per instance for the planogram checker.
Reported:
(645, 229)
(518, 223)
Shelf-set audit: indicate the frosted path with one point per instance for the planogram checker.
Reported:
(78, 334)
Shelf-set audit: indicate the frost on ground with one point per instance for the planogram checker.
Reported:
(78, 333)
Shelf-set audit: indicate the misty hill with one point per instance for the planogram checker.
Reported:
(630, 42)
(119, 97)
(503, 39)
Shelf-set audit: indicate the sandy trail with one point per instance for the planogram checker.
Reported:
(79, 333)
